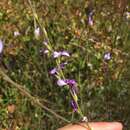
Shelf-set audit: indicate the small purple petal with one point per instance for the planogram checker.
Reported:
(46, 51)
(65, 53)
(71, 82)
(90, 18)
(53, 71)
(1, 46)
(90, 21)
(74, 105)
(56, 54)
(62, 65)
(61, 82)
(107, 56)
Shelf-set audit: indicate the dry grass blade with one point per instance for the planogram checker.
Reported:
(27, 94)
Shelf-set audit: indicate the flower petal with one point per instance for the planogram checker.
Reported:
(71, 82)
(65, 53)
(74, 105)
(107, 56)
(90, 21)
(90, 18)
(1, 46)
(62, 65)
(61, 82)
(53, 71)
(56, 54)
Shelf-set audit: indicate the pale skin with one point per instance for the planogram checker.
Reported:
(95, 126)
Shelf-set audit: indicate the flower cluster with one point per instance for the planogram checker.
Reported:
(71, 83)
(61, 80)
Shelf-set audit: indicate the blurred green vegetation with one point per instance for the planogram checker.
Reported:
(104, 86)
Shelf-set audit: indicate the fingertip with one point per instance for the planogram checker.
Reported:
(95, 126)
(107, 125)
(118, 125)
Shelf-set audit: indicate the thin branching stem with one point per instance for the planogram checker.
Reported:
(36, 101)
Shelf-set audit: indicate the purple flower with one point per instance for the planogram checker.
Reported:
(61, 82)
(65, 53)
(53, 71)
(71, 82)
(107, 56)
(1, 46)
(62, 65)
(57, 54)
(90, 18)
(74, 105)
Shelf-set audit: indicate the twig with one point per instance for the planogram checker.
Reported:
(27, 94)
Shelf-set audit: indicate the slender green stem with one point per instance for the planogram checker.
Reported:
(60, 74)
